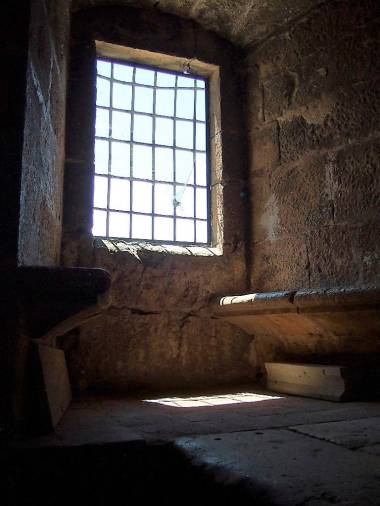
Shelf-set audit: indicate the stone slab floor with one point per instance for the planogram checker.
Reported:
(240, 446)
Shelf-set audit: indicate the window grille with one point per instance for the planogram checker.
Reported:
(151, 155)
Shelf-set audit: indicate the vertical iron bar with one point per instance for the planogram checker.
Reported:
(109, 155)
(174, 162)
(131, 153)
(194, 162)
(153, 150)
(208, 162)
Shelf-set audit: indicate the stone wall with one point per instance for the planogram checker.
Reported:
(14, 25)
(32, 96)
(313, 128)
(43, 150)
(158, 332)
(314, 96)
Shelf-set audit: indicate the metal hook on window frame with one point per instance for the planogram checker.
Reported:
(187, 67)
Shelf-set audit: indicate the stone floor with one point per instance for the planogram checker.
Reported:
(279, 449)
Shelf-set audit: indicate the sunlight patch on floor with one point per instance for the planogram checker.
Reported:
(212, 400)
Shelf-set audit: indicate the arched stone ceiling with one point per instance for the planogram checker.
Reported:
(243, 22)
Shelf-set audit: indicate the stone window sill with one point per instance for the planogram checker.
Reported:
(134, 247)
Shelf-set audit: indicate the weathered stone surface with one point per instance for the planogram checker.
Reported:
(56, 388)
(331, 23)
(156, 282)
(328, 268)
(42, 179)
(48, 282)
(331, 326)
(216, 14)
(293, 77)
(264, 149)
(47, 392)
(340, 126)
(318, 200)
(279, 263)
(332, 383)
(155, 291)
(158, 328)
(372, 450)
(15, 21)
(312, 117)
(302, 198)
(352, 434)
(53, 301)
(264, 210)
(275, 53)
(352, 171)
(317, 83)
(128, 350)
(319, 334)
(280, 467)
(273, 15)
(243, 22)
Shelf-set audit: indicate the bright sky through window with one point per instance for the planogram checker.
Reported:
(151, 168)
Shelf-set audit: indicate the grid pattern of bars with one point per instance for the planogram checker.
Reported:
(151, 163)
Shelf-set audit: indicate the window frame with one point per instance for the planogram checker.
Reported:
(177, 66)
(211, 73)
(122, 26)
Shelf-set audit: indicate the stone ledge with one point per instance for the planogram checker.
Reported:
(257, 302)
(77, 282)
(53, 300)
(304, 324)
(136, 248)
(332, 299)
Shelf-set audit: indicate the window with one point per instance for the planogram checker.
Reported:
(152, 177)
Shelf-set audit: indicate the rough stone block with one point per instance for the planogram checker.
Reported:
(196, 352)
(49, 391)
(40, 189)
(264, 149)
(41, 49)
(277, 53)
(233, 153)
(279, 94)
(262, 204)
(56, 381)
(279, 262)
(254, 97)
(327, 266)
(302, 196)
(330, 382)
(355, 181)
(215, 14)
(58, 13)
(341, 124)
(366, 249)
(234, 215)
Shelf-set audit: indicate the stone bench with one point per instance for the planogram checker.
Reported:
(47, 302)
(332, 320)
(337, 326)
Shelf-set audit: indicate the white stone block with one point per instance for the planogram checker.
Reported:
(308, 380)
